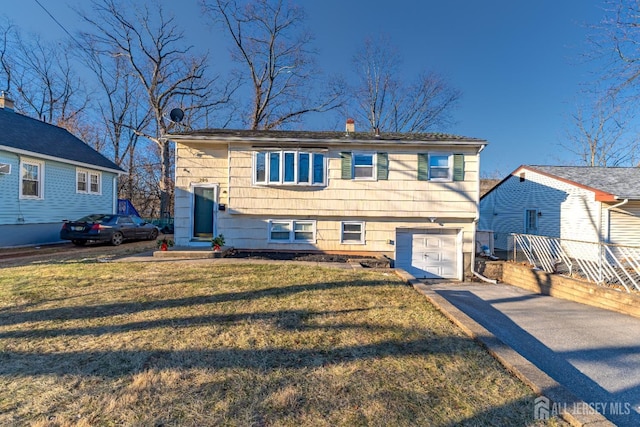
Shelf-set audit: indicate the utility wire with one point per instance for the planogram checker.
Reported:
(59, 24)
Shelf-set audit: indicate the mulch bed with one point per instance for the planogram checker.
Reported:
(365, 261)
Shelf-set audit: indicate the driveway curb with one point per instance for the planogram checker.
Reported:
(536, 379)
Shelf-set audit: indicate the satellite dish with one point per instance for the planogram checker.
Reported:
(176, 115)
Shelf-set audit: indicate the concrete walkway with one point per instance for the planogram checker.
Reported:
(585, 360)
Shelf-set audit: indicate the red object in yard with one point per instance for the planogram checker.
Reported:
(164, 247)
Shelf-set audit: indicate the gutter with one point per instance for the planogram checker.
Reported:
(608, 209)
(624, 202)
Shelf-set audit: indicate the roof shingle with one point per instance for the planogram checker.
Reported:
(24, 133)
(618, 181)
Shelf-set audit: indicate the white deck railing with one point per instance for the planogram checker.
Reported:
(600, 263)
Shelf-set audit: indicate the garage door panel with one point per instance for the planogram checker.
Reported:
(428, 255)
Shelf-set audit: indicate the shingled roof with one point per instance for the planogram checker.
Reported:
(293, 136)
(620, 183)
(23, 134)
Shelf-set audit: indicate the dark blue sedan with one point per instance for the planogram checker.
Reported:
(112, 228)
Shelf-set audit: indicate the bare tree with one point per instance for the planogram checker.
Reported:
(619, 35)
(386, 102)
(160, 59)
(47, 86)
(600, 134)
(274, 49)
(7, 33)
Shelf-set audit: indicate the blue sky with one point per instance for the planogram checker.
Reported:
(519, 64)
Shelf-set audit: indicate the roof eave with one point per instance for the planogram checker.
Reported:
(61, 160)
(332, 141)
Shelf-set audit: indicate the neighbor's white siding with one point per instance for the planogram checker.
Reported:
(567, 211)
(624, 225)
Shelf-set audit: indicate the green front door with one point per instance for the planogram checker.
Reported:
(204, 200)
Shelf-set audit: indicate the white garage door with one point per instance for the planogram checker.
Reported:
(428, 254)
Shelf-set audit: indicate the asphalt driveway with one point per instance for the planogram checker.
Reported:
(593, 353)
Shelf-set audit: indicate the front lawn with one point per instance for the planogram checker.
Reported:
(203, 344)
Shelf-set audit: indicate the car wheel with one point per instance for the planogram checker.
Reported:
(153, 234)
(117, 238)
(79, 242)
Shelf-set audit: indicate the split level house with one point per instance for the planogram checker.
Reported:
(413, 198)
(47, 175)
(591, 204)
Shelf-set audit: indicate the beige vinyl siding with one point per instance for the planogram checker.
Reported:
(384, 206)
(251, 232)
(197, 164)
(400, 196)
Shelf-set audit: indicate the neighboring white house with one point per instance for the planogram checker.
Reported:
(413, 198)
(594, 204)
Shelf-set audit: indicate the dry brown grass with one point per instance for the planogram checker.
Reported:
(202, 344)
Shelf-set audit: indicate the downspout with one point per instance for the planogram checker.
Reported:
(486, 279)
(608, 208)
(475, 222)
(115, 194)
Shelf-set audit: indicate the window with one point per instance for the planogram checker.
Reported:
(363, 165)
(88, 182)
(81, 181)
(125, 220)
(440, 167)
(280, 231)
(260, 167)
(531, 221)
(31, 180)
(352, 232)
(289, 168)
(291, 231)
(94, 183)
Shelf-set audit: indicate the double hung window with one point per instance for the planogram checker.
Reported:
(88, 182)
(31, 177)
(81, 181)
(364, 165)
(440, 167)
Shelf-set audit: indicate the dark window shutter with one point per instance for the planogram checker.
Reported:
(383, 166)
(346, 165)
(458, 167)
(423, 170)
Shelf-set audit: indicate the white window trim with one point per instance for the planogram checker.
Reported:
(291, 223)
(86, 180)
(99, 176)
(88, 174)
(281, 165)
(374, 165)
(40, 166)
(449, 167)
(352, 242)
